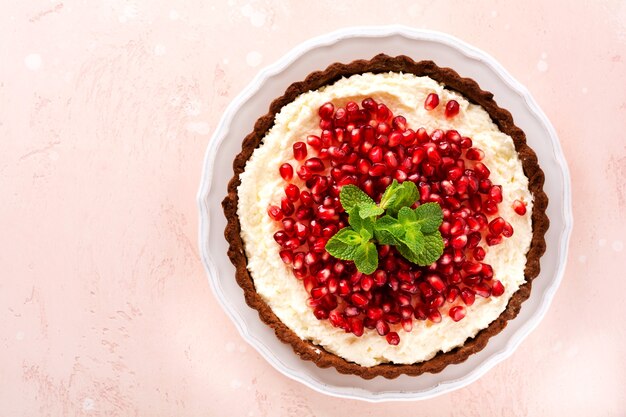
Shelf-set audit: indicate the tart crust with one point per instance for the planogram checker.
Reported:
(501, 117)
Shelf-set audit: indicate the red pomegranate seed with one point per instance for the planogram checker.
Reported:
(468, 296)
(341, 117)
(336, 319)
(478, 253)
(369, 104)
(486, 271)
(496, 226)
(490, 207)
(304, 173)
(314, 164)
(286, 256)
(459, 242)
(320, 313)
(436, 282)
(519, 207)
(292, 192)
(374, 313)
(326, 111)
(472, 268)
(377, 170)
(382, 327)
(394, 139)
(299, 151)
(507, 231)
(434, 315)
(474, 154)
(493, 240)
(457, 313)
(495, 193)
(399, 123)
(466, 142)
(497, 289)
(382, 113)
(356, 326)
(286, 171)
(359, 299)
(393, 338)
(431, 102)
(286, 206)
(314, 142)
(481, 170)
(452, 108)
(482, 290)
(452, 293)
(275, 212)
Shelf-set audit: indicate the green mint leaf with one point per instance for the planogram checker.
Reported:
(389, 229)
(433, 248)
(389, 195)
(413, 239)
(430, 216)
(339, 249)
(348, 236)
(397, 196)
(365, 227)
(407, 217)
(384, 237)
(407, 253)
(366, 257)
(369, 210)
(351, 195)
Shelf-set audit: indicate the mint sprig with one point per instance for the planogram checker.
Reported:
(414, 232)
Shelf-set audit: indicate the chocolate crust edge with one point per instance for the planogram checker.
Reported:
(452, 80)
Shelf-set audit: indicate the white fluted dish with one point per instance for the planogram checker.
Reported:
(363, 43)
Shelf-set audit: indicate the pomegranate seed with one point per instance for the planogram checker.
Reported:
(495, 193)
(399, 123)
(299, 151)
(431, 102)
(286, 206)
(422, 135)
(436, 282)
(407, 324)
(286, 171)
(341, 117)
(452, 294)
(496, 226)
(314, 164)
(434, 315)
(468, 296)
(394, 139)
(481, 170)
(382, 327)
(497, 289)
(474, 154)
(507, 231)
(482, 290)
(457, 313)
(369, 104)
(320, 313)
(336, 319)
(380, 277)
(275, 212)
(493, 240)
(393, 338)
(374, 313)
(377, 170)
(519, 207)
(452, 108)
(359, 299)
(459, 242)
(382, 113)
(466, 142)
(356, 326)
(326, 111)
(490, 207)
(286, 256)
(478, 253)
(292, 192)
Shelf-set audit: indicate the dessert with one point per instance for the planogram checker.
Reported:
(386, 217)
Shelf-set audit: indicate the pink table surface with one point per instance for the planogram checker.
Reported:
(106, 109)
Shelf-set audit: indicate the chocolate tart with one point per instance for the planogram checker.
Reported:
(452, 81)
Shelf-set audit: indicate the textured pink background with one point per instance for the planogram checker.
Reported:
(105, 111)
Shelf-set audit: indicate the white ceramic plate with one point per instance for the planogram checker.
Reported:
(345, 46)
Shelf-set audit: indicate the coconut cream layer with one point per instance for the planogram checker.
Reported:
(262, 185)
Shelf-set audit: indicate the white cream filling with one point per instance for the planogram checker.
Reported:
(261, 185)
